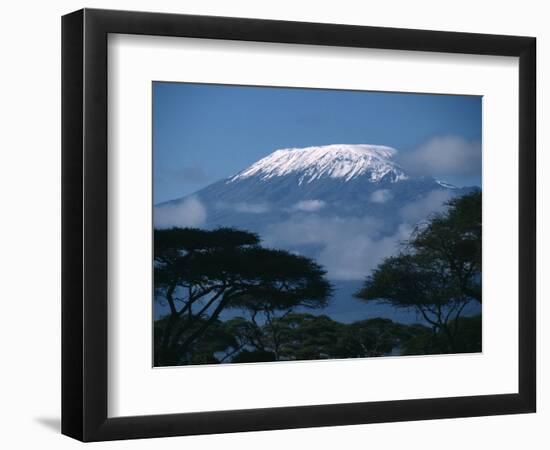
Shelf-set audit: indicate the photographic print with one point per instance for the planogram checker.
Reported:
(304, 224)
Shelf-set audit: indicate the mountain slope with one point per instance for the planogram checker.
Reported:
(339, 161)
(343, 180)
(346, 206)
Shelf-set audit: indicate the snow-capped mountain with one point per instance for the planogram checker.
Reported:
(333, 161)
(344, 180)
(346, 206)
(341, 180)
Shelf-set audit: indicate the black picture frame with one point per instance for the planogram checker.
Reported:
(84, 224)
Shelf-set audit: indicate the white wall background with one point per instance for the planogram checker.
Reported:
(30, 225)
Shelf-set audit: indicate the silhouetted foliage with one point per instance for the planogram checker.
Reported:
(371, 337)
(438, 273)
(432, 342)
(200, 273)
(303, 336)
(248, 356)
(454, 238)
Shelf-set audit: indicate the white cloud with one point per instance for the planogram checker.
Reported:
(444, 156)
(381, 196)
(313, 229)
(349, 248)
(309, 205)
(188, 213)
(353, 257)
(423, 207)
(346, 247)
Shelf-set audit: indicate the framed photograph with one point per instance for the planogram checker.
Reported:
(273, 224)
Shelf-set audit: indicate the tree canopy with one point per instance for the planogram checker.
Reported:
(438, 271)
(223, 297)
(200, 273)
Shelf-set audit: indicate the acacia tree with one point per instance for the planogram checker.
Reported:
(200, 273)
(182, 283)
(438, 272)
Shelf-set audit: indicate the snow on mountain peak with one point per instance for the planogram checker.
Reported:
(344, 161)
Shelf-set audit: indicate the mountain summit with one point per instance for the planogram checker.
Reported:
(337, 161)
(342, 181)
(346, 206)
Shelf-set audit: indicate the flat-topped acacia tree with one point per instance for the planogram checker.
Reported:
(200, 273)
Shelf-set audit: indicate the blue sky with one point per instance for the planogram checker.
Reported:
(203, 133)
